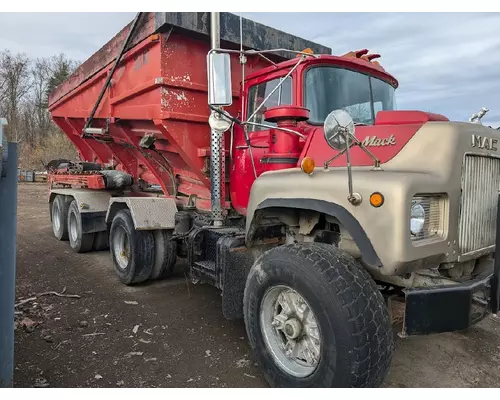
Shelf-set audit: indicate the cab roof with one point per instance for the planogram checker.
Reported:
(359, 61)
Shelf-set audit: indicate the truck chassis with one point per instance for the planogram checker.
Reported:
(146, 234)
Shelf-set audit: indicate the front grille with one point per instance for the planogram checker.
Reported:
(478, 209)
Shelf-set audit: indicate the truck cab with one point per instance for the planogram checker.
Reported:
(320, 84)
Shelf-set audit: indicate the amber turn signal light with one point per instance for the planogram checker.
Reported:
(307, 165)
(376, 199)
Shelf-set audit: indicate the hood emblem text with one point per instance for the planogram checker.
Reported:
(374, 141)
(484, 142)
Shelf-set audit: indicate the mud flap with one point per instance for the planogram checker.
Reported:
(93, 222)
(232, 256)
(235, 261)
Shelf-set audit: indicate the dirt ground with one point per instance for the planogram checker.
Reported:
(172, 333)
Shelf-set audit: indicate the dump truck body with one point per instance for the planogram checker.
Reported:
(160, 88)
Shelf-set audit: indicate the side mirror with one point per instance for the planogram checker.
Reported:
(338, 129)
(220, 92)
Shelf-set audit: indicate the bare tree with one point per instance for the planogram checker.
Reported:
(3, 83)
(54, 145)
(25, 85)
(15, 81)
(41, 72)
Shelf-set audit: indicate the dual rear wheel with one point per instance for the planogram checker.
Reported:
(80, 242)
(137, 255)
(67, 226)
(140, 255)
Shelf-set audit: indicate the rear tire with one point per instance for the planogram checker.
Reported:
(321, 303)
(80, 242)
(59, 217)
(165, 254)
(133, 251)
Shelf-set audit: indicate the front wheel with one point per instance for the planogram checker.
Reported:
(315, 318)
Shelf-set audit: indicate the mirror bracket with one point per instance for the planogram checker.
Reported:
(354, 198)
(376, 161)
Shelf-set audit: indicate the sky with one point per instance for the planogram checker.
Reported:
(447, 63)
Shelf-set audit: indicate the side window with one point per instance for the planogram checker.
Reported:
(257, 94)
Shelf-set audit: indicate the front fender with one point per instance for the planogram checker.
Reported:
(382, 234)
(148, 213)
(368, 254)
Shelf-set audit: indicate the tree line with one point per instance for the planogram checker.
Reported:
(25, 85)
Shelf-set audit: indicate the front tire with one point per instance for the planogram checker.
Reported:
(133, 251)
(315, 318)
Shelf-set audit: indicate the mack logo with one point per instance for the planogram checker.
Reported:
(371, 141)
(484, 143)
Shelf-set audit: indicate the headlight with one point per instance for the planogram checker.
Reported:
(427, 216)
(417, 218)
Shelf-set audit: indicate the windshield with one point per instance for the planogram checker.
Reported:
(332, 88)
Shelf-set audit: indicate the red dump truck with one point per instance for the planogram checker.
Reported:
(288, 180)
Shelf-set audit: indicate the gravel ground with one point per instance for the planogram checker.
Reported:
(172, 333)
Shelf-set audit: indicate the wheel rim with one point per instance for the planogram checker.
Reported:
(121, 247)
(73, 227)
(290, 331)
(56, 217)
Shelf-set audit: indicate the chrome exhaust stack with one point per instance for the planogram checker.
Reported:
(216, 134)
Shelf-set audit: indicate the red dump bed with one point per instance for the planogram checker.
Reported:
(160, 88)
